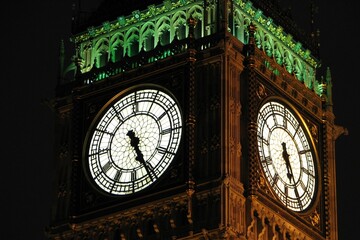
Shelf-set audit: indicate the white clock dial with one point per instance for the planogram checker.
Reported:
(286, 155)
(134, 141)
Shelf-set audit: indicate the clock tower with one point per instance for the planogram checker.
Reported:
(193, 119)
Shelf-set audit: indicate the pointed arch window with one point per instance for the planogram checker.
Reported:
(117, 49)
(132, 42)
(87, 56)
(239, 26)
(149, 42)
(181, 31)
(133, 48)
(179, 24)
(198, 29)
(164, 37)
(102, 59)
(118, 52)
(147, 38)
(101, 56)
(196, 12)
(163, 29)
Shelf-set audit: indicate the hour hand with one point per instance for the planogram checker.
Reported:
(134, 142)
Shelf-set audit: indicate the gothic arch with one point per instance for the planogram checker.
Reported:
(259, 36)
(288, 61)
(101, 52)
(278, 53)
(247, 22)
(178, 21)
(268, 45)
(116, 47)
(239, 25)
(86, 56)
(197, 12)
(299, 70)
(309, 78)
(163, 31)
(131, 42)
(147, 36)
(210, 18)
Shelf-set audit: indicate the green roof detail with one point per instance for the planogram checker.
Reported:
(159, 25)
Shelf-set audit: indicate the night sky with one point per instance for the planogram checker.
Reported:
(31, 34)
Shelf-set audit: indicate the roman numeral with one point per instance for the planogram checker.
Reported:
(106, 132)
(273, 114)
(264, 141)
(165, 131)
(302, 185)
(275, 179)
(305, 170)
(304, 151)
(135, 107)
(162, 150)
(162, 115)
(298, 198)
(117, 175)
(107, 166)
(118, 115)
(297, 129)
(267, 160)
(100, 152)
(285, 118)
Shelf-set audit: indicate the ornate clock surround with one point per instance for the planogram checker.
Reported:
(291, 165)
(266, 84)
(90, 100)
(133, 140)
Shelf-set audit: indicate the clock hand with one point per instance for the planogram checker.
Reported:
(134, 142)
(287, 162)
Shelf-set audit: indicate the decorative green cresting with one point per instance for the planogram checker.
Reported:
(142, 31)
(275, 43)
(159, 25)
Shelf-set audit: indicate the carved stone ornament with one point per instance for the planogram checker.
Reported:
(261, 91)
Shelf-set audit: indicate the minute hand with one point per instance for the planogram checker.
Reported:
(287, 162)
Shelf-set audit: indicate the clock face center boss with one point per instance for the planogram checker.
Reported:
(133, 140)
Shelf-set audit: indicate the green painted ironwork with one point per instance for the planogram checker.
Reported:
(158, 26)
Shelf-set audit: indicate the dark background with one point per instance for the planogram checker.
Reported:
(30, 37)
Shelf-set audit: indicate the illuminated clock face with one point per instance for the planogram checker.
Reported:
(134, 141)
(286, 156)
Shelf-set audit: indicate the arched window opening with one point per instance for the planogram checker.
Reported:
(117, 54)
(239, 32)
(87, 56)
(278, 55)
(198, 29)
(133, 48)
(164, 37)
(102, 59)
(131, 42)
(181, 31)
(149, 42)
